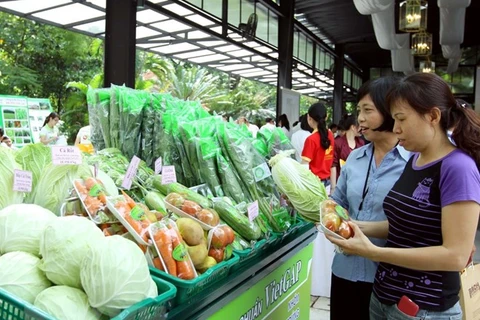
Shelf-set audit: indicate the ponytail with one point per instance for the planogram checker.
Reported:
(323, 132)
(466, 132)
(51, 116)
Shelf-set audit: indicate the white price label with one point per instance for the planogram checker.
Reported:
(158, 165)
(66, 155)
(131, 172)
(253, 210)
(168, 175)
(22, 181)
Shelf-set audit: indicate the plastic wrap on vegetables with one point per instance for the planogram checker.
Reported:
(103, 113)
(7, 169)
(207, 150)
(96, 135)
(115, 117)
(148, 127)
(132, 103)
(230, 182)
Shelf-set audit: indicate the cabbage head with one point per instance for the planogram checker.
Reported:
(115, 275)
(303, 189)
(53, 186)
(7, 169)
(21, 226)
(63, 247)
(21, 276)
(66, 303)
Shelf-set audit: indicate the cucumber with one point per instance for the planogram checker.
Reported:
(181, 189)
(154, 201)
(237, 221)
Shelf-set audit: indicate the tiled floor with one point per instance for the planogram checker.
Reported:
(319, 308)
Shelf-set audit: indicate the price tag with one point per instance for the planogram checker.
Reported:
(261, 172)
(22, 181)
(66, 155)
(131, 172)
(253, 210)
(158, 165)
(168, 175)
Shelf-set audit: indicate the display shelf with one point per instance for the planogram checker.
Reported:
(233, 286)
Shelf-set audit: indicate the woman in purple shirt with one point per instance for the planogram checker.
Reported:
(432, 209)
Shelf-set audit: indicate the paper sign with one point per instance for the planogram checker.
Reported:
(253, 210)
(66, 155)
(22, 181)
(131, 172)
(158, 165)
(261, 172)
(168, 175)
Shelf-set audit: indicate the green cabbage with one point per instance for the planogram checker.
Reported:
(54, 185)
(21, 276)
(21, 226)
(66, 303)
(64, 245)
(115, 275)
(34, 158)
(303, 188)
(7, 167)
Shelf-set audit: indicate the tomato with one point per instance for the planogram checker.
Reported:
(217, 254)
(191, 208)
(229, 233)
(345, 230)
(175, 199)
(208, 216)
(329, 204)
(331, 221)
(219, 238)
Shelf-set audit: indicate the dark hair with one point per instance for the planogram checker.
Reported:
(378, 89)
(283, 118)
(425, 91)
(267, 120)
(304, 123)
(1, 132)
(348, 120)
(333, 126)
(51, 116)
(318, 112)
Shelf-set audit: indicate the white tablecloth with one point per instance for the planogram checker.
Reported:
(323, 252)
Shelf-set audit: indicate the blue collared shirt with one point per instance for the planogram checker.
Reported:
(348, 194)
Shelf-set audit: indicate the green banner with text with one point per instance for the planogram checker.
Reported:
(282, 294)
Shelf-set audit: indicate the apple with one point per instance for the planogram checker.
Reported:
(345, 230)
(331, 221)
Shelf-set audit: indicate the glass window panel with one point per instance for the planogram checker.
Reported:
(262, 26)
(92, 27)
(69, 14)
(234, 12)
(213, 7)
(200, 20)
(27, 6)
(177, 9)
(309, 56)
(144, 32)
(295, 44)
(170, 26)
(197, 3)
(320, 60)
(247, 10)
(302, 47)
(273, 29)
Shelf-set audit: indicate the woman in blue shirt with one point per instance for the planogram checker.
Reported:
(368, 174)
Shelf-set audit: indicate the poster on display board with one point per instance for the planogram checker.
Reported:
(38, 111)
(14, 119)
(290, 105)
(282, 294)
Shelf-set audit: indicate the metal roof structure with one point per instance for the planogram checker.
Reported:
(186, 31)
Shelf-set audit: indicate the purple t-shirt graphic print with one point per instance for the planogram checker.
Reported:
(414, 211)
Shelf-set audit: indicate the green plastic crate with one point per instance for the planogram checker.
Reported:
(12, 308)
(189, 290)
(246, 256)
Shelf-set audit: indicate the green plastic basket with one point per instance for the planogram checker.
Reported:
(189, 290)
(12, 308)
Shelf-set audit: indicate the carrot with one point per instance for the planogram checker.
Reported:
(164, 244)
(184, 268)
(129, 200)
(107, 233)
(137, 226)
(158, 264)
(103, 198)
(90, 182)
(80, 187)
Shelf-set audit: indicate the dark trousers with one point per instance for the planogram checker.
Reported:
(349, 300)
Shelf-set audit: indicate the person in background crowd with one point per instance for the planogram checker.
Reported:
(299, 137)
(83, 140)
(284, 124)
(432, 209)
(2, 144)
(6, 141)
(49, 131)
(365, 179)
(344, 145)
(296, 125)
(250, 126)
(318, 149)
(334, 128)
(269, 124)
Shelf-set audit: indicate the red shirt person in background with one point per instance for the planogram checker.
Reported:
(344, 145)
(318, 149)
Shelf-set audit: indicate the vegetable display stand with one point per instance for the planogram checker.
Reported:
(277, 286)
(12, 308)
(189, 291)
